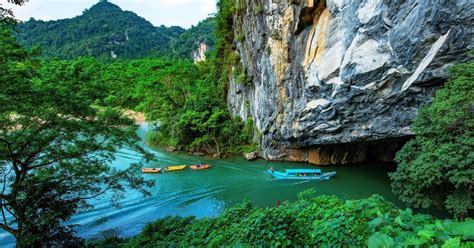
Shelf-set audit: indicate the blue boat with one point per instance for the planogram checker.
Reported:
(301, 174)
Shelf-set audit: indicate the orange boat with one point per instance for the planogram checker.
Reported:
(200, 167)
(151, 170)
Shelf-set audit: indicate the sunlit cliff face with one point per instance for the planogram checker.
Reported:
(332, 78)
(200, 53)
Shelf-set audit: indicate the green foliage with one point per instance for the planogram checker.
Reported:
(168, 231)
(225, 54)
(105, 29)
(129, 81)
(437, 167)
(56, 144)
(182, 99)
(184, 46)
(321, 221)
(187, 101)
(240, 38)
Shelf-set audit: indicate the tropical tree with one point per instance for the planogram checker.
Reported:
(56, 144)
(437, 167)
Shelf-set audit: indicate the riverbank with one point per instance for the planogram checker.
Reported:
(255, 153)
(207, 194)
(309, 221)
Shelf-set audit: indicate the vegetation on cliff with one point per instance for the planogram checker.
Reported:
(106, 32)
(188, 101)
(437, 167)
(184, 46)
(309, 221)
(185, 101)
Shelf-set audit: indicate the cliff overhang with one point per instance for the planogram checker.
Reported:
(332, 78)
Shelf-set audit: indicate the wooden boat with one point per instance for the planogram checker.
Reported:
(151, 170)
(175, 168)
(302, 174)
(200, 167)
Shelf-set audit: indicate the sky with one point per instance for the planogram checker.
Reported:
(182, 13)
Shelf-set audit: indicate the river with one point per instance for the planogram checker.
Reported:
(207, 193)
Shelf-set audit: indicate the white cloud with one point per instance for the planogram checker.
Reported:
(159, 12)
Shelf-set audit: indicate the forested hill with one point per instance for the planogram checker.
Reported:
(106, 32)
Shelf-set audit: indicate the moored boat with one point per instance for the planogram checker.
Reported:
(151, 170)
(175, 168)
(302, 174)
(200, 167)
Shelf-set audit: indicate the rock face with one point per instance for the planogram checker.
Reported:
(199, 154)
(330, 79)
(251, 156)
(200, 53)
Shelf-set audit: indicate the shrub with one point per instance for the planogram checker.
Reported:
(310, 221)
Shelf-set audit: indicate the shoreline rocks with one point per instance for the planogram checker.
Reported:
(171, 149)
(199, 154)
(251, 156)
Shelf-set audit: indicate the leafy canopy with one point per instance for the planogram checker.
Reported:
(105, 31)
(322, 221)
(56, 144)
(437, 167)
(184, 99)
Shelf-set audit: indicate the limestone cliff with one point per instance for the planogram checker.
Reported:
(334, 80)
(199, 54)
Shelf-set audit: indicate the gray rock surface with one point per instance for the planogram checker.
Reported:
(199, 54)
(251, 156)
(343, 72)
(171, 149)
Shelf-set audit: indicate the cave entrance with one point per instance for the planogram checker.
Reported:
(382, 151)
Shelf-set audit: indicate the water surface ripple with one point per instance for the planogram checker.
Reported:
(208, 193)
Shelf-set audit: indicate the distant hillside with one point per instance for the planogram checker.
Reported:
(189, 40)
(106, 32)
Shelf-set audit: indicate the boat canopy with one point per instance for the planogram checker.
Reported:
(308, 171)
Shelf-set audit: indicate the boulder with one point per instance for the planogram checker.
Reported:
(171, 149)
(251, 156)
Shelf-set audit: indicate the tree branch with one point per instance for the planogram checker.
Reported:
(31, 138)
(11, 155)
(67, 156)
(8, 229)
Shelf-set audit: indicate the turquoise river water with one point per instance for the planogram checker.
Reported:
(207, 193)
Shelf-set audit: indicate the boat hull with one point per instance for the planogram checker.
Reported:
(284, 176)
(202, 167)
(175, 168)
(151, 170)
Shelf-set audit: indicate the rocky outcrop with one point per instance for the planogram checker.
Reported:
(199, 53)
(251, 156)
(331, 79)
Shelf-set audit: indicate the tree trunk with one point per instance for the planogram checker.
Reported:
(217, 145)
